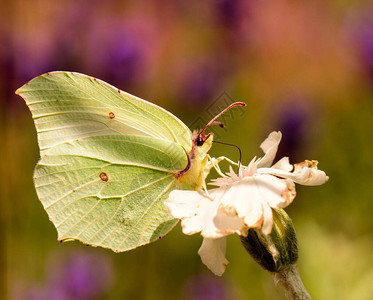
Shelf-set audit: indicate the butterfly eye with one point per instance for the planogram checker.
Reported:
(199, 141)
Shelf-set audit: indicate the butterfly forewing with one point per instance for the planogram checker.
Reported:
(67, 106)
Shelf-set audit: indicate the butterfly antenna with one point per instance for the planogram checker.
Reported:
(239, 150)
(213, 121)
(220, 124)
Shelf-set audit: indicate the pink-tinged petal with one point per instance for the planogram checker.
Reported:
(223, 225)
(268, 219)
(232, 177)
(252, 198)
(250, 170)
(201, 214)
(288, 195)
(217, 223)
(213, 222)
(270, 146)
(246, 198)
(212, 253)
(220, 181)
(240, 201)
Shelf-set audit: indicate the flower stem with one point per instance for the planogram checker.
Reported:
(290, 279)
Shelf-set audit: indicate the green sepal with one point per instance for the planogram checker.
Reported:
(276, 250)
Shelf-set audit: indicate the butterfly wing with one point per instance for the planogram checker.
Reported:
(67, 106)
(102, 179)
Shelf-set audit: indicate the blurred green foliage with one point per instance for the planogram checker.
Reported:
(303, 68)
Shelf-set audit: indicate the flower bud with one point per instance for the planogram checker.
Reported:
(277, 249)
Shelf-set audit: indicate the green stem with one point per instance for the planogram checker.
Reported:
(290, 279)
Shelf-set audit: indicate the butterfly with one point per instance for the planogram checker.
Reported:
(109, 160)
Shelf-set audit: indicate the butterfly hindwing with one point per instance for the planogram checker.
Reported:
(98, 191)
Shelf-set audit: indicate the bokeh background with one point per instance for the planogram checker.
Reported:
(303, 67)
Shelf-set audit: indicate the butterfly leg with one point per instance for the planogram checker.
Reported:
(227, 159)
(214, 162)
(204, 187)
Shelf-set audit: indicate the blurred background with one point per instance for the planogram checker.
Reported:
(303, 67)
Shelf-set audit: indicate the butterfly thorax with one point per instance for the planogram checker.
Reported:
(196, 171)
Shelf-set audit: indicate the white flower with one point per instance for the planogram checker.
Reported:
(241, 201)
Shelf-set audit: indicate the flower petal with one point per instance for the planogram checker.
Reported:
(182, 204)
(199, 213)
(239, 201)
(270, 146)
(223, 225)
(248, 197)
(212, 253)
(288, 195)
(267, 219)
(305, 173)
(283, 164)
(194, 209)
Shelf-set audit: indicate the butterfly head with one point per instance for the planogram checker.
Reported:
(200, 137)
(197, 169)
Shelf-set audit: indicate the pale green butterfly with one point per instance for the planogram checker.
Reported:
(109, 160)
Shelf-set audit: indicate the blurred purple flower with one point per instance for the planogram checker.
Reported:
(73, 22)
(200, 81)
(362, 36)
(81, 275)
(120, 62)
(234, 19)
(206, 287)
(124, 57)
(292, 117)
(199, 85)
(228, 12)
(21, 59)
(56, 47)
(122, 52)
(36, 293)
(34, 59)
(7, 76)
